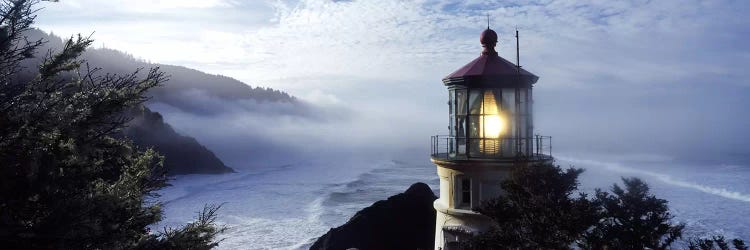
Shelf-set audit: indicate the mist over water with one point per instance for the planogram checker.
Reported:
(301, 174)
(722, 171)
(289, 206)
(698, 123)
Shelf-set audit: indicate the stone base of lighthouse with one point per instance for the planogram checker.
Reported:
(464, 185)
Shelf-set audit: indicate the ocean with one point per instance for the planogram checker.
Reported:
(289, 206)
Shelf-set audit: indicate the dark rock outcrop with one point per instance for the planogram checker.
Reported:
(403, 221)
(182, 154)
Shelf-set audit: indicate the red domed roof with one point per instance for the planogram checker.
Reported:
(490, 70)
(488, 38)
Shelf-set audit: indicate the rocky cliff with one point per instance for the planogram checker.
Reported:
(403, 221)
(182, 154)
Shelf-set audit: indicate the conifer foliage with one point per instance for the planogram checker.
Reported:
(541, 210)
(716, 242)
(67, 181)
(631, 217)
(537, 211)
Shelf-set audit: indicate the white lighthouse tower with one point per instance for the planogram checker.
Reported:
(490, 132)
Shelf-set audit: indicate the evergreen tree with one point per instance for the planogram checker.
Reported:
(537, 211)
(716, 242)
(540, 211)
(67, 180)
(631, 218)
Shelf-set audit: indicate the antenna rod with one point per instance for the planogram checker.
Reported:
(518, 54)
(488, 21)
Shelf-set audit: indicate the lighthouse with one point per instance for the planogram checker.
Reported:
(490, 132)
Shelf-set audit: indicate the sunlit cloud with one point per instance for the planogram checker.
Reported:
(146, 5)
(634, 41)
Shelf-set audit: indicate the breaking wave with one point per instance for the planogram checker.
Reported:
(729, 194)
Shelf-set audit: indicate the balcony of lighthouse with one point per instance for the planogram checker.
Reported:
(446, 148)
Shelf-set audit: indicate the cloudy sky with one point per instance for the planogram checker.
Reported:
(642, 76)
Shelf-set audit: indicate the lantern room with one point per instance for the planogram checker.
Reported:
(490, 110)
(490, 133)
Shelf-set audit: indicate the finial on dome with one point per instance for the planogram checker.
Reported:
(489, 41)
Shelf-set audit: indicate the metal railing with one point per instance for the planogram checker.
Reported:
(457, 148)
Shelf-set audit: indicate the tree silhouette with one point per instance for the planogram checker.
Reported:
(540, 209)
(66, 180)
(717, 242)
(536, 211)
(631, 218)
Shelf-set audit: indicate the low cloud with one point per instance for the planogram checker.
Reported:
(636, 76)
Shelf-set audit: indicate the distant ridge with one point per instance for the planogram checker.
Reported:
(183, 85)
(183, 154)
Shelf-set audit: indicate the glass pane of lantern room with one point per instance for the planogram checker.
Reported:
(461, 107)
(461, 101)
(461, 134)
(508, 109)
(451, 113)
(451, 123)
(492, 124)
(530, 119)
(474, 132)
(522, 122)
(475, 101)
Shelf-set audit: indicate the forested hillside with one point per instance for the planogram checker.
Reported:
(184, 83)
(183, 154)
(188, 90)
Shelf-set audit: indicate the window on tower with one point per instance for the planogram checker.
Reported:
(465, 191)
